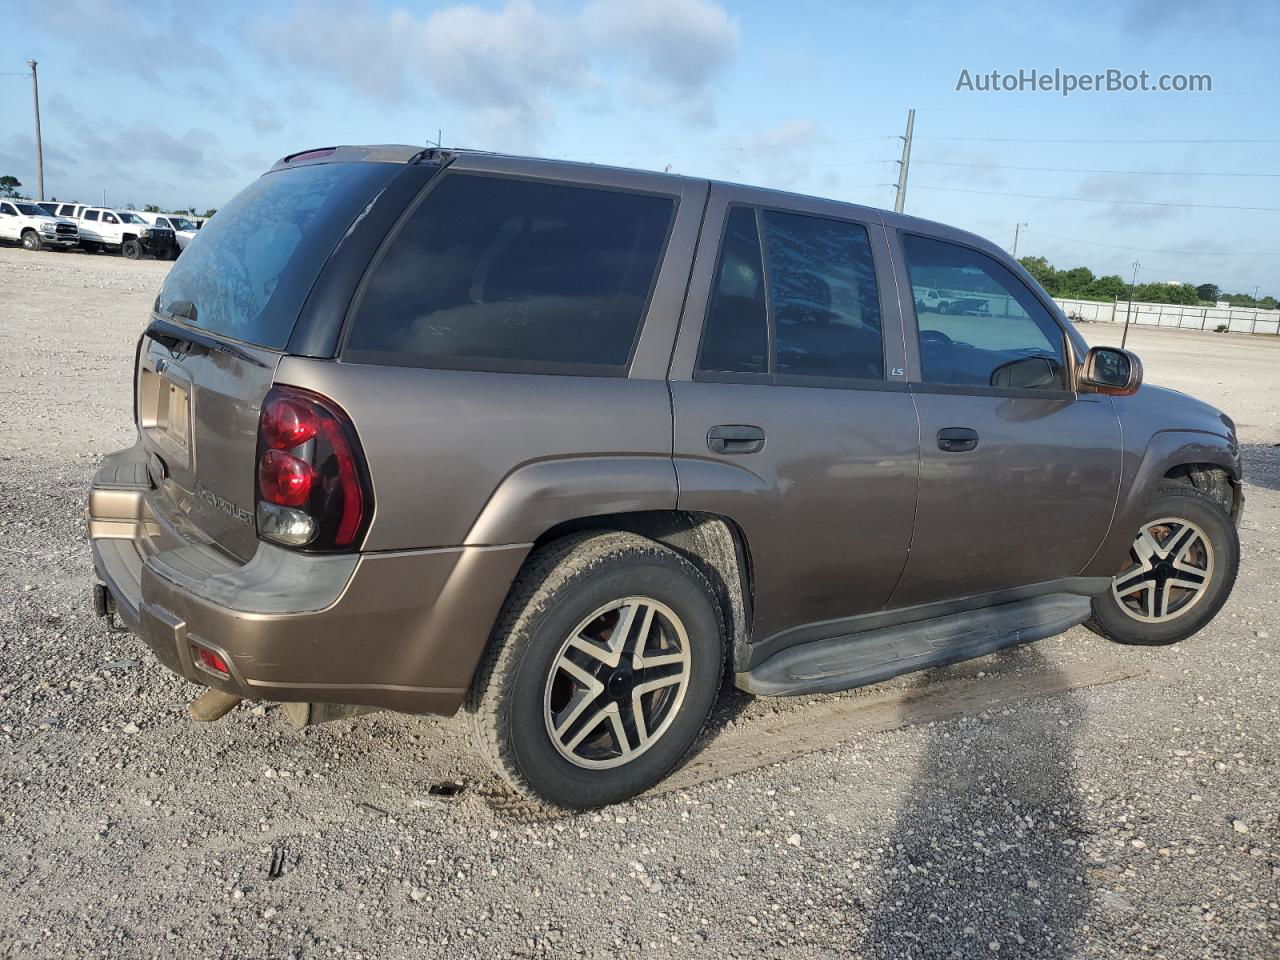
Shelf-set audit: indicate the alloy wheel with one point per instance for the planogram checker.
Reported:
(1169, 570)
(617, 683)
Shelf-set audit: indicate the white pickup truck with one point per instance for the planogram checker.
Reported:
(102, 228)
(182, 227)
(21, 221)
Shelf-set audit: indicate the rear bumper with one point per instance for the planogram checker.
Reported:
(401, 630)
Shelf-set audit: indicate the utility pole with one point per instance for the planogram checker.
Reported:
(35, 90)
(1124, 337)
(901, 200)
(1016, 228)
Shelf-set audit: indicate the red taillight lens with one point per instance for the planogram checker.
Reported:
(284, 479)
(286, 424)
(313, 488)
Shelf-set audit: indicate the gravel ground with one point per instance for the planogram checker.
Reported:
(1071, 798)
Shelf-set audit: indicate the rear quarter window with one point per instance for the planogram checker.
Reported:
(495, 273)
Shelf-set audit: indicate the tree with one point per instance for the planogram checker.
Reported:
(1044, 274)
(1208, 291)
(1110, 287)
(207, 214)
(150, 208)
(1075, 282)
(9, 186)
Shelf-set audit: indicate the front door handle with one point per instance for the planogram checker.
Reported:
(957, 439)
(735, 438)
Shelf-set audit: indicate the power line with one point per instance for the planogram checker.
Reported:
(1171, 253)
(1142, 203)
(1147, 173)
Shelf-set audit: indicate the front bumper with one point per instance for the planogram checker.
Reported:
(402, 631)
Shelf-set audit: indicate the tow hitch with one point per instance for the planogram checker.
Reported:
(104, 605)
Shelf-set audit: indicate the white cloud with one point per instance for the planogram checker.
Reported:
(678, 45)
(509, 65)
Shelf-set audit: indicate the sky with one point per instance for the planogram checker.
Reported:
(182, 104)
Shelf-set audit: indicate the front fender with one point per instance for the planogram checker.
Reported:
(1143, 471)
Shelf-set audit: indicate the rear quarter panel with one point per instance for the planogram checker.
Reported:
(442, 444)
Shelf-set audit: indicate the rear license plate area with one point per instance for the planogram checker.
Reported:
(165, 414)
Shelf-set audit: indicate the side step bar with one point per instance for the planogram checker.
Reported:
(855, 660)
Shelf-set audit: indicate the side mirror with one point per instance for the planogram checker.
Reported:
(1109, 370)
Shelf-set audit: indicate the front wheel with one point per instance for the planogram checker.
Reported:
(1178, 574)
(131, 249)
(601, 672)
(31, 240)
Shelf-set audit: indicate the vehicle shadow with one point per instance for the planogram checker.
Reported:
(1261, 464)
(985, 850)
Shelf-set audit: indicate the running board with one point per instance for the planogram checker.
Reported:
(855, 660)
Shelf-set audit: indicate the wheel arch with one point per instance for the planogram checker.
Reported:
(1170, 454)
(1211, 478)
(714, 544)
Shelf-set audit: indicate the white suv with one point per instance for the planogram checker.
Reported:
(23, 222)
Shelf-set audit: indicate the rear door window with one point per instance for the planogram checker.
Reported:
(978, 324)
(91, 215)
(822, 290)
(815, 292)
(736, 336)
(498, 273)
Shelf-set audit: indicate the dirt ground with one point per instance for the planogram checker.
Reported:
(1069, 798)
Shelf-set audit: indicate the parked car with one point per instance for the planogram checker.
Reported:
(558, 444)
(24, 222)
(183, 229)
(103, 228)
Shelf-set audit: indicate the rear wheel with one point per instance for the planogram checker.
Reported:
(1179, 572)
(31, 240)
(131, 249)
(601, 672)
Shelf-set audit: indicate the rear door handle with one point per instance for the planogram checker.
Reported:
(957, 439)
(735, 438)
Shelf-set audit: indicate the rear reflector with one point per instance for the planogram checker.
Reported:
(210, 660)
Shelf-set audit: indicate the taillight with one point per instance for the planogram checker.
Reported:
(312, 488)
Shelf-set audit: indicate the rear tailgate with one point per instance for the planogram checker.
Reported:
(222, 321)
(198, 403)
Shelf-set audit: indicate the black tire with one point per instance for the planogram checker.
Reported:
(1184, 502)
(31, 240)
(131, 250)
(88, 246)
(560, 585)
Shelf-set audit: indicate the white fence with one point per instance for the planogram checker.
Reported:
(1235, 319)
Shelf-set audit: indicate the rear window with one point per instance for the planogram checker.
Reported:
(248, 272)
(504, 274)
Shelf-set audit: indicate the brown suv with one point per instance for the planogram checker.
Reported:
(554, 443)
